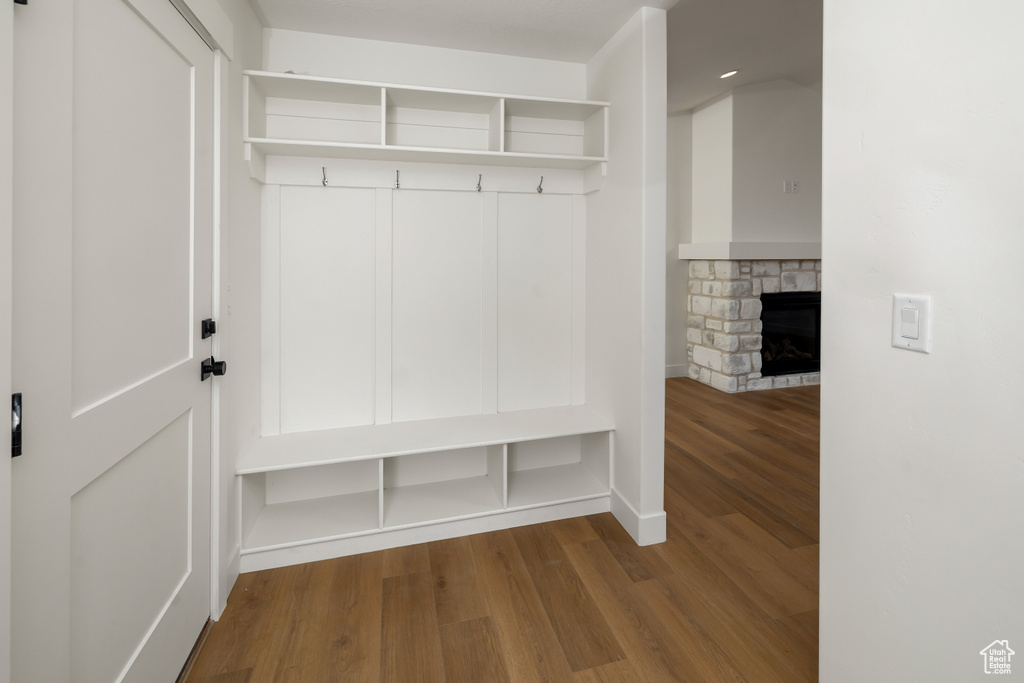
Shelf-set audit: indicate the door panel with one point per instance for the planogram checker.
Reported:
(126, 570)
(132, 173)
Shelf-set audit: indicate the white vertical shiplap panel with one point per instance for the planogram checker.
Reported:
(270, 311)
(382, 353)
(579, 299)
(327, 307)
(436, 309)
(489, 308)
(534, 301)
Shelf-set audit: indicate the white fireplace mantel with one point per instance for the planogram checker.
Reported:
(732, 251)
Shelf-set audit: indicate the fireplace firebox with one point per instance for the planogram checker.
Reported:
(791, 341)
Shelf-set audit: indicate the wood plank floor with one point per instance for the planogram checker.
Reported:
(731, 596)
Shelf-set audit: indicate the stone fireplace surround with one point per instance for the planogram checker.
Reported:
(723, 308)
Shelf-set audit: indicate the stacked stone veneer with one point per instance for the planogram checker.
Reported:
(724, 320)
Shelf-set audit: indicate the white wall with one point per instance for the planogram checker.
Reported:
(922, 512)
(626, 269)
(239, 320)
(776, 137)
(712, 192)
(680, 164)
(380, 61)
(746, 143)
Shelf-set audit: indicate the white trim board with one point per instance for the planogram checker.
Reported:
(397, 153)
(679, 370)
(732, 251)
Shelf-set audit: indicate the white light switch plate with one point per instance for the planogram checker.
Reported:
(912, 322)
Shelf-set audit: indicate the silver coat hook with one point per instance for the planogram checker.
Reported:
(397, 185)
(324, 169)
(478, 181)
(540, 188)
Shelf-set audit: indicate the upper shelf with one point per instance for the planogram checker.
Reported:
(297, 115)
(307, 449)
(341, 150)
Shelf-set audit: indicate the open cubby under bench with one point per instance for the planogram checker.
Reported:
(320, 494)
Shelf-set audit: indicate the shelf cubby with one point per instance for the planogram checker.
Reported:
(282, 525)
(299, 108)
(418, 118)
(431, 487)
(292, 507)
(555, 127)
(557, 470)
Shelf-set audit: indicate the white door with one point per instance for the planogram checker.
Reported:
(113, 214)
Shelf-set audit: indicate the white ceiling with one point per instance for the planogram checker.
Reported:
(565, 30)
(765, 39)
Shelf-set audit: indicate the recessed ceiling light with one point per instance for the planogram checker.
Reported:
(730, 73)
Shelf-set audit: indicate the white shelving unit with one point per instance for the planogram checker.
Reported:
(297, 115)
(332, 485)
(308, 495)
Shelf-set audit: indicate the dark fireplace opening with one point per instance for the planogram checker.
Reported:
(790, 334)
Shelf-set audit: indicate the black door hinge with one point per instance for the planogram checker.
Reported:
(15, 425)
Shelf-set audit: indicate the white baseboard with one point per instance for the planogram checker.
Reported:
(645, 529)
(234, 569)
(680, 370)
(231, 575)
(382, 540)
